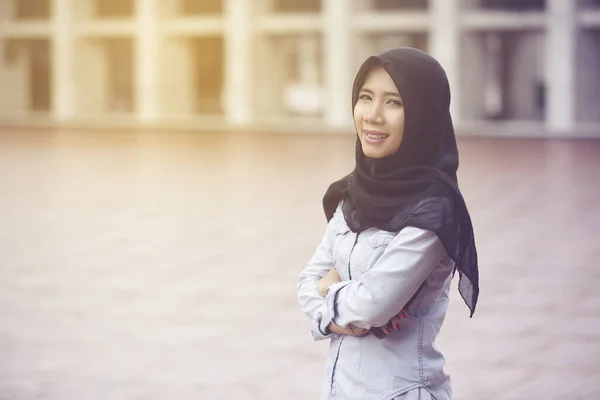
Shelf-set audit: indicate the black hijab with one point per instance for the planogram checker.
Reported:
(417, 185)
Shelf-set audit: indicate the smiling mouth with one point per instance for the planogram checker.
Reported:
(374, 135)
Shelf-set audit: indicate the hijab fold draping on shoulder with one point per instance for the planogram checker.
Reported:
(417, 185)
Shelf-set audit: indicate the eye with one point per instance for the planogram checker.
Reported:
(364, 97)
(395, 102)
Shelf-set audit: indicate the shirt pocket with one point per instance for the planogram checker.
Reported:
(374, 247)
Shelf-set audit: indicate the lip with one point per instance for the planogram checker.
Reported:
(372, 140)
(373, 132)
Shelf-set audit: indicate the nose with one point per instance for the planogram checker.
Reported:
(374, 114)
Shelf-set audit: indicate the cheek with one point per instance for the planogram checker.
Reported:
(397, 125)
(395, 144)
(358, 115)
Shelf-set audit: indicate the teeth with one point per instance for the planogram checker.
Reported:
(377, 136)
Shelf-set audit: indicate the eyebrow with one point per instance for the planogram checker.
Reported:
(384, 93)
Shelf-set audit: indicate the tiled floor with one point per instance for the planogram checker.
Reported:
(163, 266)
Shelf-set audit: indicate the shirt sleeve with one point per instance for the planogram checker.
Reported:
(309, 299)
(374, 298)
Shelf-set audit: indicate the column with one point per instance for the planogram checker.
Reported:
(444, 45)
(146, 60)
(337, 32)
(560, 65)
(238, 62)
(304, 95)
(63, 71)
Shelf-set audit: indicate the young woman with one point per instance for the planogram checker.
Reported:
(398, 229)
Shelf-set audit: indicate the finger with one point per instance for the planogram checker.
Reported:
(395, 323)
(356, 331)
(402, 314)
(386, 330)
(352, 330)
(335, 330)
(339, 330)
(361, 332)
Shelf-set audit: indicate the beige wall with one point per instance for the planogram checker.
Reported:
(588, 76)
(525, 52)
(472, 77)
(271, 67)
(32, 9)
(14, 78)
(181, 82)
(176, 88)
(520, 67)
(120, 69)
(91, 75)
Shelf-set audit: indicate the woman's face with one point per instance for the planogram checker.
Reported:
(379, 115)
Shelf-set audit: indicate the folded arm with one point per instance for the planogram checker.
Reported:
(377, 296)
(312, 285)
(309, 298)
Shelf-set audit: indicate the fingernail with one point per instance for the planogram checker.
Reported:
(386, 330)
(404, 315)
(397, 326)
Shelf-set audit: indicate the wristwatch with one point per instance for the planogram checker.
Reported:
(329, 288)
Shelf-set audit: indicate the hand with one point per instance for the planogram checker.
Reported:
(392, 325)
(351, 330)
(328, 280)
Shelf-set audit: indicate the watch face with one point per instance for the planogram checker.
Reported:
(329, 288)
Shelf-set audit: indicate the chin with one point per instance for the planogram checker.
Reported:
(373, 154)
(369, 151)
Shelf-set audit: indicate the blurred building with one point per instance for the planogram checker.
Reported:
(531, 63)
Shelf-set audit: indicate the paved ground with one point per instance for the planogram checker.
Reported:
(163, 266)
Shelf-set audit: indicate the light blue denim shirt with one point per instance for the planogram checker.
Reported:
(380, 271)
